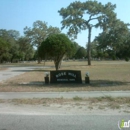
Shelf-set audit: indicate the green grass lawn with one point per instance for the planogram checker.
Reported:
(104, 76)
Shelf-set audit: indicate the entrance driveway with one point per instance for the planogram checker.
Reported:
(16, 70)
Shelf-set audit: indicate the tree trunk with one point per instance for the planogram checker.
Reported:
(57, 65)
(44, 62)
(39, 60)
(58, 62)
(89, 45)
(11, 60)
(39, 56)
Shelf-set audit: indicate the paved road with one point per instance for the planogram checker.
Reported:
(16, 70)
(57, 122)
(14, 95)
(62, 122)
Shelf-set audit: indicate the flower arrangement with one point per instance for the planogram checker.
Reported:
(87, 74)
(47, 74)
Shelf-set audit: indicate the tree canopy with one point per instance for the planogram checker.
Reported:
(114, 41)
(26, 51)
(81, 53)
(56, 46)
(39, 32)
(4, 50)
(13, 47)
(10, 37)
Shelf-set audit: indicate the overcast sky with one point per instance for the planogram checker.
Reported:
(16, 14)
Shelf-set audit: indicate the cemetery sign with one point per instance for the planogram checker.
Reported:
(65, 76)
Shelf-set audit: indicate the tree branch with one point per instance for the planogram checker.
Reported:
(87, 22)
(92, 19)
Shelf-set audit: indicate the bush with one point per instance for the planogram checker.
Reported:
(127, 59)
(113, 57)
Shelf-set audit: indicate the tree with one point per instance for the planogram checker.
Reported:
(81, 52)
(125, 50)
(56, 46)
(39, 33)
(74, 18)
(74, 48)
(26, 50)
(4, 50)
(114, 40)
(11, 37)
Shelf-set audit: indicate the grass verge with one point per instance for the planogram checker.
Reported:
(90, 103)
(104, 76)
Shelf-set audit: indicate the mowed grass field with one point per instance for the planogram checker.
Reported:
(104, 76)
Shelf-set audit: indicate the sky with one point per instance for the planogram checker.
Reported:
(17, 14)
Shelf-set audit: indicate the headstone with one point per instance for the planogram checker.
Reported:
(65, 76)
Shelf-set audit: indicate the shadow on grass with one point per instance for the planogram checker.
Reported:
(93, 83)
(33, 69)
(107, 83)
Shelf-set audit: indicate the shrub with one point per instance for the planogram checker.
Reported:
(127, 59)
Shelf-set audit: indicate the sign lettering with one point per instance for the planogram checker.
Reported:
(65, 76)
